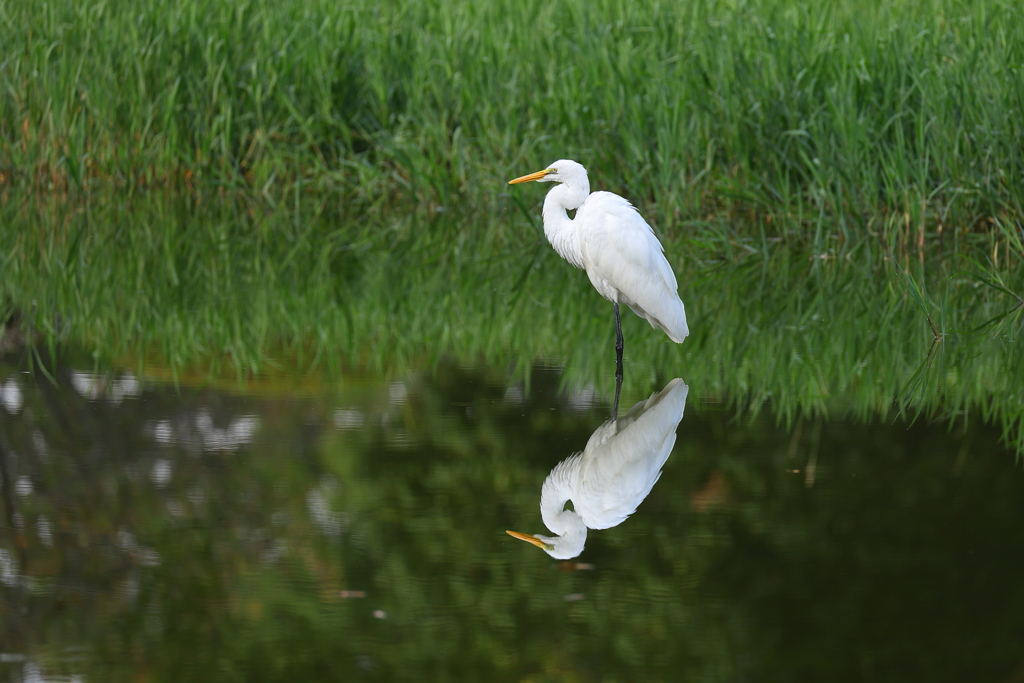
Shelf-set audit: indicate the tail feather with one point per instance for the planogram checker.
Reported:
(672, 322)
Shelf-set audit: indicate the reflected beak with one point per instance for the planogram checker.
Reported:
(529, 539)
(533, 176)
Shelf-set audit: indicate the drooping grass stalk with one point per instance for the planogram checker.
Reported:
(849, 119)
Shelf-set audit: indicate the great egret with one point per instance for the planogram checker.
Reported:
(613, 243)
(612, 476)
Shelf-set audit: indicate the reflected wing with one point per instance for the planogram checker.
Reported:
(619, 471)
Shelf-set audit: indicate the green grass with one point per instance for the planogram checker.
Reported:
(227, 288)
(848, 118)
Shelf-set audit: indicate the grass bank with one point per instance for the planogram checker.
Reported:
(225, 288)
(894, 118)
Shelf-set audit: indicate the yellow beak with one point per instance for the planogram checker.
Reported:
(529, 539)
(533, 176)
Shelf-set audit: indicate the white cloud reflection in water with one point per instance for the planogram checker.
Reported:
(8, 569)
(93, 386)
(348, 418)
(10, 396)
(318, 502)
(199, 433)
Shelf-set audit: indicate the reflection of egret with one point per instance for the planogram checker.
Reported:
(613, 243)
(613, 474)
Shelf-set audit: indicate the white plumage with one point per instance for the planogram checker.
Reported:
(611, 476)
(614, 244)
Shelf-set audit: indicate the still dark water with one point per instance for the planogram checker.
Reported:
(355, 531)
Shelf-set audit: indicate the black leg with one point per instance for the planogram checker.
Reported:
(618, 336)
(618, 390)
(618, 361)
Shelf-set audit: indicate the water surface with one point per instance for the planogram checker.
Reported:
(354, 529)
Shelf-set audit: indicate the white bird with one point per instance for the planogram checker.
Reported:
(612, 476)
(615, 245)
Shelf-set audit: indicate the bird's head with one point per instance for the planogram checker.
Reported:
(558, 547)
(562, 171)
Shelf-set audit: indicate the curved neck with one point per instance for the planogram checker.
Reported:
(558, 227)
(569, 529)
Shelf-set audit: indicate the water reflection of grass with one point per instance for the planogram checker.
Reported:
(229, 289)
(171, 552)
(896, 118)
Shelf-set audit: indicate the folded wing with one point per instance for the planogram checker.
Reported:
(626, 262)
